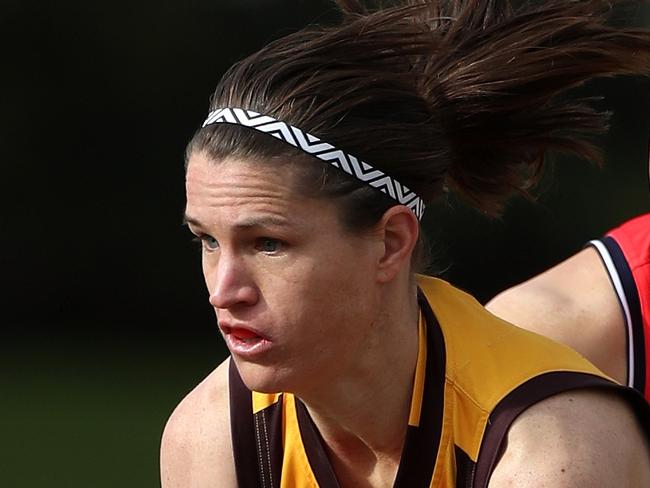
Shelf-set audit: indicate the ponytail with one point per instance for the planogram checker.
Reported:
(502, 75)
(468, 95)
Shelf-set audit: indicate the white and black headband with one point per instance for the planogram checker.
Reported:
(322, 150)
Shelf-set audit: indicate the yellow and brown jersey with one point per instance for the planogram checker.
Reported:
(475, 374)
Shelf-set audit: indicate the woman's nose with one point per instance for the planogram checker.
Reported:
(230, 284)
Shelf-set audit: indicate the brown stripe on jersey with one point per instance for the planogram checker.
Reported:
(534, 391)
(313, 443)
(242, 431)
(268, 437)
(422, 442)
(464, 468)
(256, 438)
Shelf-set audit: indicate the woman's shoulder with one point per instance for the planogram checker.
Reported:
(576, 438)
(196, 443)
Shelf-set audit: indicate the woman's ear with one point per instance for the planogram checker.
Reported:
(399, 230)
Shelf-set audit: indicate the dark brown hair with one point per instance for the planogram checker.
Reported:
(466, 95)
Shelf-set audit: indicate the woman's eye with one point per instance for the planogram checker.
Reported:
(210, 243)
(268, 245)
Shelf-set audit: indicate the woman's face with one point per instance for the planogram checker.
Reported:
(295, 294)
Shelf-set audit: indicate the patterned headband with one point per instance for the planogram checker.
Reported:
(322, 150)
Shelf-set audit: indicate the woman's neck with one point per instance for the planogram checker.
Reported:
(363, 416)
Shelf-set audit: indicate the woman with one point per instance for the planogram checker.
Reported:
(305, 186)
(597, 302)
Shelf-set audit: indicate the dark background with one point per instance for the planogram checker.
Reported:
(105, 319)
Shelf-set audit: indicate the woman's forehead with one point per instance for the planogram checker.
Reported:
(239, 190)
(203, 170)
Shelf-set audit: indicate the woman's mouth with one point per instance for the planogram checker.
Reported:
(244, 334)
(245, 342)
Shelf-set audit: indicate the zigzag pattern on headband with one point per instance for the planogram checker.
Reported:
(322, 150)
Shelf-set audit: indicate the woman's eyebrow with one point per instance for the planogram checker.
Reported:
(191, 221)
(246, 223)
(263, 221)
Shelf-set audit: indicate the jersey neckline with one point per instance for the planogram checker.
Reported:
(422, 441)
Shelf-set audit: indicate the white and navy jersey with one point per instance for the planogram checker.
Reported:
(625, 252)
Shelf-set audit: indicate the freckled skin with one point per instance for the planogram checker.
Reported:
(322, 327)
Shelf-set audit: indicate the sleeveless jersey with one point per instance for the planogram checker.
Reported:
(625, 252)
(475, 374)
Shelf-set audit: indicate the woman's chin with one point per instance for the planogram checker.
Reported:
(262, 379)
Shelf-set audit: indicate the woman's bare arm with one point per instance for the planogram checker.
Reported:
(573, 303)
(196, 449)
